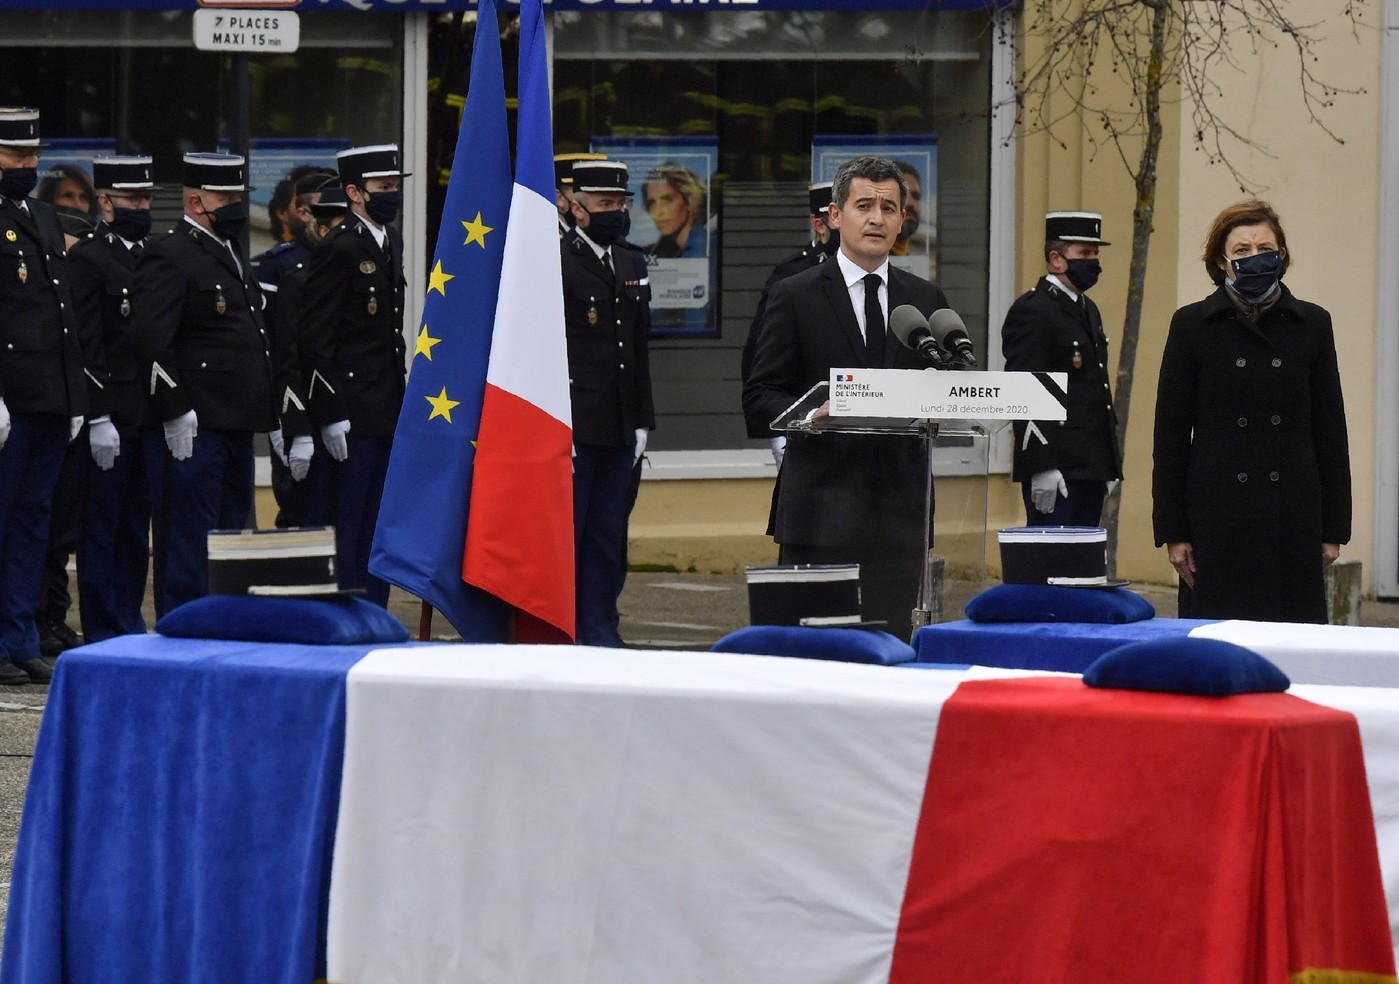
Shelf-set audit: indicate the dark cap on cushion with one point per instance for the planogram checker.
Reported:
(286, 563)
(1067, 556)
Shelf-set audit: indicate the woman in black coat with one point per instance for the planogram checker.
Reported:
(1251, 477)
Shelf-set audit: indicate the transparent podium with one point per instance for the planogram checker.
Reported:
(950, 422)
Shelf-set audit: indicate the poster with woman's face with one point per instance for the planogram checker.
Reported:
(915, 248)
(674, 225)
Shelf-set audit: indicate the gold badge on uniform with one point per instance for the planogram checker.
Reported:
(367, 267)
(10, 235)
(592, 312)
(220, 305)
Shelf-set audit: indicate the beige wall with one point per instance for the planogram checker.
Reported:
(1326, 194)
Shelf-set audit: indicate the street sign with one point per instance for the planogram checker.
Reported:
(257, 31)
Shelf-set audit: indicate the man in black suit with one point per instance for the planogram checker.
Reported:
(844, 498)
(607, 320)
(42, 394)
(113, 543)
(1064, 467)
(351, 348)
(208, 369)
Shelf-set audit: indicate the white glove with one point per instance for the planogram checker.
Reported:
(4, 423)
(299, 458)
(105, 442)
(274, 438)
(640, 444)
(1045, 487)
(779, 448)
(1113, 483)
(75, 424)
(334, 437)
(180, 434)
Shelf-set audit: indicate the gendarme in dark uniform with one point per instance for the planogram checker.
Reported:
(607, 320)
(823, 245)
(42, 393)
(352, 355)
(273, 267)
(113, 543)
(208, 368)
(1056, 328)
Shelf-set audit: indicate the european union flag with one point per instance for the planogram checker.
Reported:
(421, 532)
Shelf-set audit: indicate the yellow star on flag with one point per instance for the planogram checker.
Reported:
(425, 344)
(441, 406)
(476, 232)
(437, 280)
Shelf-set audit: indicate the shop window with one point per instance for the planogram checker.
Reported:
(760, 86)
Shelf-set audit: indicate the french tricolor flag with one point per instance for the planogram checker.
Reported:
(519, 542)
(714, 818)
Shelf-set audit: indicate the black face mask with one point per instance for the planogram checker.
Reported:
(832, 245)
(606, 228)
(228, 221)
(1083, 273)
(1255, 276)
(383, 206)
(18, 182)
(131, 224)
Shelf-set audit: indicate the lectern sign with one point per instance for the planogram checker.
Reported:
(929, 394)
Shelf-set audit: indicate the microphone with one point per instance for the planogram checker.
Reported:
(911, 329)
(945, 325)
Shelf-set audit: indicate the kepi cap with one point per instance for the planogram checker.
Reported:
(296, 562)
(358, 164)
(19, 127)
(1074, 227)
(819, 196)
(216, 172)
(122, 173)
(600, 175)
(1066, 556)
(563, 167)
(332, 200)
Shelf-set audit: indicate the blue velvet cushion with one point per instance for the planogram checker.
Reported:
(1053, 603)
(809, 642)
(1186, 665)
(307, 621)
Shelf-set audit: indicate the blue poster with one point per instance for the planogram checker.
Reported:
(674, 224)
(915, 249)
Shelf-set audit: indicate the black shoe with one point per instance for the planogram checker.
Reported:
(38, 670)
(11, 675)
(55, 637)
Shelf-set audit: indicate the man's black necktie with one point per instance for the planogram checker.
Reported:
(607, 261)
(874, 321)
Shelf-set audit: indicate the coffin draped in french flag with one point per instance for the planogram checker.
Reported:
(678, 817)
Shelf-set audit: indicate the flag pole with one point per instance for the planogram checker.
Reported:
(425, 623)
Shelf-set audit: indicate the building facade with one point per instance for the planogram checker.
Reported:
(753, 94)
